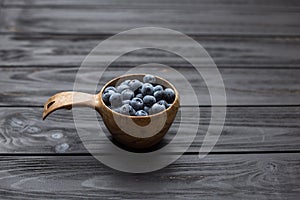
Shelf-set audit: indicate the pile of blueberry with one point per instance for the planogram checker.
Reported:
(136, 98)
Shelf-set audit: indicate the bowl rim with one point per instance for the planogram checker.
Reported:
(139, 117)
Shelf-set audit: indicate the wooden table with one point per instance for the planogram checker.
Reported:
(255, 45)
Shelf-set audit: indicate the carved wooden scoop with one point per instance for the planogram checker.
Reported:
(132, 131)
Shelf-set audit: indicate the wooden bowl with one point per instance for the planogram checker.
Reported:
(132, 131)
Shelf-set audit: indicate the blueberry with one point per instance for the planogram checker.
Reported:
(156, 108)
(115, 100)
(125, 82)
(127, 110)
(120, 88)
(111, 91)
(127, 94)
(169, 95)
(149, 100)
(137, 103)
(147, 89)
(146, 108)
(125, 102)
(168, 105)
(139, 96)
(149, 79)
(110, 88)
(158, 88)
(163, 102)
(135, 84)
(159, 95)
(105, 97)
(141, 113)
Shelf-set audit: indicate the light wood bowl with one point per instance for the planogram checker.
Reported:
(132, 131)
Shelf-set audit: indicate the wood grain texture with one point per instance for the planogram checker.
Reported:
(256, 47)
(200, 17)
(254, 129)
(33, 86)
(140, 4)
(70, 50)
(269, 176)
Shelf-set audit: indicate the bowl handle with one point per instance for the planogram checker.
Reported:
(68, 100)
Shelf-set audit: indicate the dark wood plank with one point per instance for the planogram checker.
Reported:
(139, 4)
(70, 50)
(264, 176)
(33, 86)
(254, 129)
(200, 17)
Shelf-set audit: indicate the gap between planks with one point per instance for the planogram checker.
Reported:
(92, 35)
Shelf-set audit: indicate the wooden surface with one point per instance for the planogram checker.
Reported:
(208, 17)
(255, 45)
(215, 177)
(247, 129)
